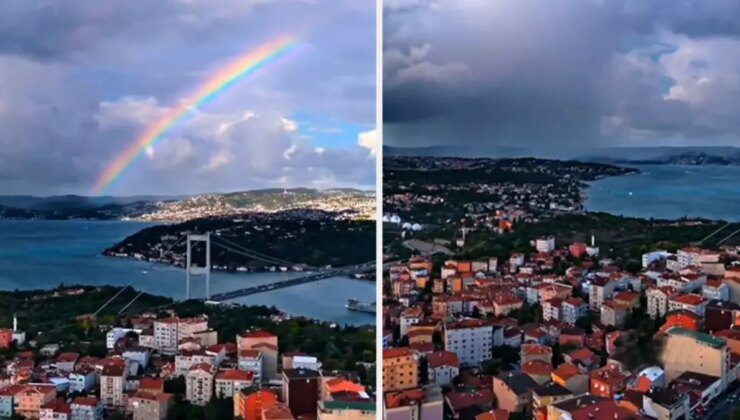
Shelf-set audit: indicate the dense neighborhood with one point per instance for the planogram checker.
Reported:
(562, 331)
(161, 364)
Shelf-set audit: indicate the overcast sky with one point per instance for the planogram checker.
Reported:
(80, 80)
(561, 76)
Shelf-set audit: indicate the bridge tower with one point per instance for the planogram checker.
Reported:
(196, 270)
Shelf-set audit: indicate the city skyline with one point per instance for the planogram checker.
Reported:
(75, 104)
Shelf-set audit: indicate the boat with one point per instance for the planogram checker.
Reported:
(356, 305)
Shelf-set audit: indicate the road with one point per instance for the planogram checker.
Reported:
(247, 291)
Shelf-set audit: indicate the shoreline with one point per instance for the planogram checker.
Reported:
(640, 171)
(66, 290)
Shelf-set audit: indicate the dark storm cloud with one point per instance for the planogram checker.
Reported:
(79, 81)
(557, 77)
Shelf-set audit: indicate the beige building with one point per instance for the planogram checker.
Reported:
(28, 402)
(346, 410)
(231, 381)
(602, 289)
(150, 406)
(614, 313)
(691, 351)
(400, 369)
(657, 300)
(112, 385)
(513, 391)
(199, 384)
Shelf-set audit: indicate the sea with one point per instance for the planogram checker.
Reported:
(670, 192)
(42, 254)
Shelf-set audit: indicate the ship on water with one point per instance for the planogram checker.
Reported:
(356, 305)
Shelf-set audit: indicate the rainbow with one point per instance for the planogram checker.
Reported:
(237, 70)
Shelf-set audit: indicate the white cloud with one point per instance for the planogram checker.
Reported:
(289, 126)
(369, 140)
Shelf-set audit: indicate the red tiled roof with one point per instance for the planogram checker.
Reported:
(397, 352)
(690, 299)
(86, 401)
(537, 367)
(249, 354)
(257, 334)
(566, 371)
(234, 375)
(442, 358)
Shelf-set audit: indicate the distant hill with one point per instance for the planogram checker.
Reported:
(71, 201)
(361, 203)
(690, 155)
(459, 151)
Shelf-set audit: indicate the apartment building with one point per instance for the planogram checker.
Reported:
(400, 369)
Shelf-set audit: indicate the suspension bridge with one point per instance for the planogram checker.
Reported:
(310, 273)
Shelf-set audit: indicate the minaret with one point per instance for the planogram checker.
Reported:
(15, 323)
(593, 240)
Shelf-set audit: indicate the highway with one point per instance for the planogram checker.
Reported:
(313, 277)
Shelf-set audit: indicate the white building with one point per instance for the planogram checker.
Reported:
(231, 381)
(199, 384)
(112, 385)
(545, 244)
(83, 379)
(137, 354)
(251, 361)
(657, 300)
(114, 335)
(651, 257)
(165, 335)
(443, 367)
(187, 359)
(573, 309)
(86, 408)
(716, 290)
(471, 340)
(306, 362)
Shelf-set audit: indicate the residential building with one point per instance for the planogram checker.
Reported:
(400, 369)
(657, 300)
(471, 340)
(150, 405)
(86, 408)
(199, 383)
(513, 391)
(251, 402)
(691, 351)
(601, 290)
(165, 335)
(56, 409)
(301, 391)
(415, 404)
(30, 399)
(230, 381)
(442, 367)
(608, 381)
(83, 379)
(688, 302)
(549, 393)
(613, 313)
(573, 308)
(251, 361)
(112, 385)
(8, 399)
(346, 410)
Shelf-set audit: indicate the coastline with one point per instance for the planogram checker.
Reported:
(678, 197)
